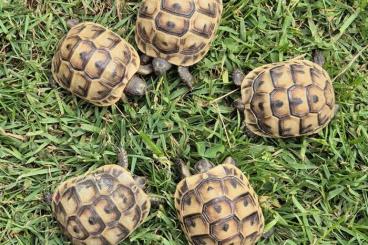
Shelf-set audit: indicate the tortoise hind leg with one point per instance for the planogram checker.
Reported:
(318, 57)
(140, 181)
(186, 76)
(136, 87)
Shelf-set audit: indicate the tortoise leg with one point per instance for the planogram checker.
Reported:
(186, 76)
(160, 66)
(47, 198)
(72, 22)
(136, 87)
(318, 57)
(123, 158)
(229, 160)
(239, 104)
(140, 181)
(238, 77)
(146, 67)
(184, 169)
(203, 166)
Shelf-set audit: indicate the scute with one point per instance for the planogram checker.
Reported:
(99, 207)
(288, 99)
(178, 31)
(94, 63)
(225, 213)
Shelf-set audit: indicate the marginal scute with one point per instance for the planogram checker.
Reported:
(94, 63)
(288, 99)
(180, 32)
(98, 208)
(225, 215)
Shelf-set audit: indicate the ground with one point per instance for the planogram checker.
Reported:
(313, 190)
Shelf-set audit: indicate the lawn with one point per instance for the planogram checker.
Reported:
(313, 190)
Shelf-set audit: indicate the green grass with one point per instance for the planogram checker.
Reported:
(314, 190)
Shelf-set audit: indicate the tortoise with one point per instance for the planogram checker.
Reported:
(177, 32)
(102, 207)
(97, 65)
(287, 99)
(218, 205)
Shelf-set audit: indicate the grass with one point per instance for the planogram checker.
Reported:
(313, 190)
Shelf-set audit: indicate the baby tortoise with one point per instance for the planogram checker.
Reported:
(102, 207)
(287, 99)
(177, 32)
(97, 65)
(218, 206)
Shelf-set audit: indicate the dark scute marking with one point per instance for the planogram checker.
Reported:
(296, 68)
(193, 50)
(305, 129)
(144, 205)
(190, 222)
(170, 24)
(218, 209)
(157, 44)
(225, 227)
(210, 11)
(178, 201)
(169, 30)
(277, 104)
(234, 183)
(206, 32)
(97, 31)
(187, 200)
(285, 132)
(253, 218)
(264, 127)
(261, 106)
(137, 216)
(143, 34)
(315, 75)
(184, 188)
(83, 90)
(176, 8)
(228, 171)
(275, 74)
(76, 229)
(296, 101)
(102, 94)
(315, 99)
(322, 119)
(116, 172)
(210, 188)
(92, 220)
(252, 236)
(85, 56)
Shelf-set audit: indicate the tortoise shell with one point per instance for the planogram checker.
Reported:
(288, 99)
(100, 208)
(219, 207)
(94, 63)
(179, 31)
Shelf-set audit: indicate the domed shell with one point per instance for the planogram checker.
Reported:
(179, 31)
(100, 208)
(288, 99)
(219, 207)
(94, 63)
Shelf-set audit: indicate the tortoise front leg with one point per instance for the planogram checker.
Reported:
(318, 57)
(136, 86)
(186, 76)
(146, 66)
(123, 158)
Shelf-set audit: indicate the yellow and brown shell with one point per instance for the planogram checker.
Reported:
(179, 31)
(219, 207)
(94, 63)
(288, 99)
(100, 208)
